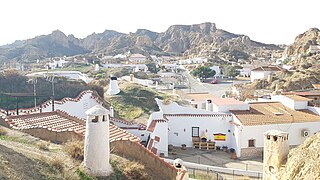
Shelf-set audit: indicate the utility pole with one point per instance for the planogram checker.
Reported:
(52, 85)
(34, 81)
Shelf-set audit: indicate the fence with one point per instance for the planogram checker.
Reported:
(219, 172)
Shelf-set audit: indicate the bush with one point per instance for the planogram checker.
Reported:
(134, 170)
(3, 131)
(57, 164)
(43, 146)
(75, 149)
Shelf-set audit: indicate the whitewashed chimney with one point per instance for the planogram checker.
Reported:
(113, 86)
(209, 106)
(111, 111)
(96, 144)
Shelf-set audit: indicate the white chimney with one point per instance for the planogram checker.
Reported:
(96, 68)
(209, 105)
(111, 111)
(96, 144)
(113, 86)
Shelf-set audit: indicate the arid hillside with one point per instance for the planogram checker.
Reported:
(304, 161)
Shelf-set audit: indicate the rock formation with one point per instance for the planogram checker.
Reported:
(178, 39)
(304, 161)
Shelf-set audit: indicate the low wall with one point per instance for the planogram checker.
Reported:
(251, 152)
(156, 167)
(53, 136)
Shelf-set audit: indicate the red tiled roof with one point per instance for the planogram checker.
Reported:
(273, 113)
(268, 68)
(152, 125)
(199, 115)
(59, 121)
(157, 138)
(150, 144)
(141, 126)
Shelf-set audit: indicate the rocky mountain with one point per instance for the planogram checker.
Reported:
(178, 39)
(303, 161)
(303, 41)
(54, 44)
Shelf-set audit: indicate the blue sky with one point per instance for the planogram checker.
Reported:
(272, 21)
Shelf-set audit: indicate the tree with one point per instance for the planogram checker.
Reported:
(231, 71)
(203, 72)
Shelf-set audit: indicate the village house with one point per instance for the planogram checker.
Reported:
(57, 63)
(137, 58)
(263, 72)
(229, 123)
(246, 70)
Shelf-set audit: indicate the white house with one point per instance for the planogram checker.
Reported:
(265, 116)
(177, 125)
(75, 75)
(292, 101)
(264, 71)
(57, 64)
(246, 70)
(137, 58)
(238, 126)
(217, 70)
(211, 103)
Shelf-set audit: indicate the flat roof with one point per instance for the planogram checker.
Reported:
(265, 113)
(297, 98)
(199, 96)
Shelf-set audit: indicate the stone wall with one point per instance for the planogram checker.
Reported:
(251, 152)
(156, 167)
(53, 136)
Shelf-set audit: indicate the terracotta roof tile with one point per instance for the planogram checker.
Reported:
(298, 98)
(268, 68)
(59, 121)
(273, 113)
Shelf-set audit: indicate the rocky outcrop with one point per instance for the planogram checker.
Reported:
(303, 41)
(303, 162)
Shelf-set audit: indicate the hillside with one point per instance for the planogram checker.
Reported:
(303, 161)
(305, 65)
(303, 41)
(135, 100)
(177, 39)
(25, 157)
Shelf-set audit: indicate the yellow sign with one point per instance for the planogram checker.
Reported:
(219, 137)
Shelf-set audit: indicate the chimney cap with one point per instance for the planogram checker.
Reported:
(97, 110)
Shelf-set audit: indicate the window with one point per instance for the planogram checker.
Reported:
(95, 119)
(195, 131)
(252, 143)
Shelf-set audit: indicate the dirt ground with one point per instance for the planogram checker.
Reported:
(15, 165)
(216, 158)
(21, 158)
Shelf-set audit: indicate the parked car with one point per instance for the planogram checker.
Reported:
(214, 81)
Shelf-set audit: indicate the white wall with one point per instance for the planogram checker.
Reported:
(300, 104)
(290, 102)
(161, 130)
(294, 130)
(180, 129)
(259, 75)
(227, 108)
(73, 106)
(315, 110)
